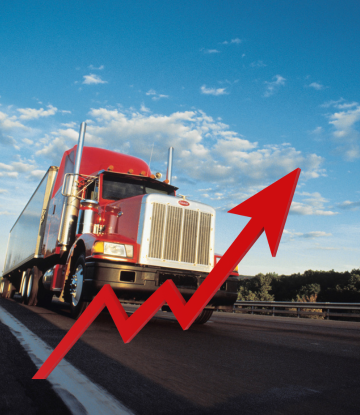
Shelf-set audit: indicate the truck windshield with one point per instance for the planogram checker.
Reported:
(115, 188)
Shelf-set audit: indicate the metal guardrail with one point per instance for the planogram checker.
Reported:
(288, 307)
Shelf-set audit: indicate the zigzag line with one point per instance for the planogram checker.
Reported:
(185, 312)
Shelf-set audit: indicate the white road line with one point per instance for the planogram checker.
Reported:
(79, 394)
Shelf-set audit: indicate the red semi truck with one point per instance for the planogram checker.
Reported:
(103, 218)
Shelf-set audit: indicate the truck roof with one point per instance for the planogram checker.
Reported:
(95, 159)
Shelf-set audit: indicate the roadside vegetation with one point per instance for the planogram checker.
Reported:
(311, 286)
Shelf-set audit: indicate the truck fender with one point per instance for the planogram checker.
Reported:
(82, 245)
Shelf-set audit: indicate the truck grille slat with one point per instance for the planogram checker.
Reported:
(204, 238)
(173, 225)
(181, 235)
(157, 226)
(189, 239)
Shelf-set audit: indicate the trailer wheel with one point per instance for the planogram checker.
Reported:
(32, 286)
(8, 290)
(77, 304)
(12, 291)
(2, 284)
(203, 317)
(23, 284)
(5, 285)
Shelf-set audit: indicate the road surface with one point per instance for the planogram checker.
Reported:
(234, 364)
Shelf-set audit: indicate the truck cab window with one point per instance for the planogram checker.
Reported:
(116, 188)
(92, 191)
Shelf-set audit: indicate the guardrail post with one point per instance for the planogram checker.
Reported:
(298, 312)
(252, 309)
(328, 314)
(273, 311)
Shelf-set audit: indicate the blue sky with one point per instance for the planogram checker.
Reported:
(245, 92)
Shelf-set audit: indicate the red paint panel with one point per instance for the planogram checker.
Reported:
(59, 277)
(95, 159)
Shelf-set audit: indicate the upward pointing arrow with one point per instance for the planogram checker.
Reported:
(270, 207)
(268, 210)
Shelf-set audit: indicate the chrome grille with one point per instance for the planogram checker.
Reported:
(157, 227)
(179, 234)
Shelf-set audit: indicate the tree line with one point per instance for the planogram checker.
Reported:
(311, 286)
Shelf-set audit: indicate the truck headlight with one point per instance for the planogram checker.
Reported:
(108, 248)
(114, 249)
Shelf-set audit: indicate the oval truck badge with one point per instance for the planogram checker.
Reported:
(184, 203)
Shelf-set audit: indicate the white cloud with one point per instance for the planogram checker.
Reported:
(27, 141)
(32, 113)
(93, 68)
(326, 248)
(339, 104)
(4, 166)
(155, 95)
(207, 150)
(348, 205)
(258, 64)
(93, 79)
(232, 41)
(38, 174)
(317, 131)
(7, 122)
(308, 235)
(17, 167)
(213, 91)
(345, 132)
(144, 109)
(273, 86)
(69, 124)
(9, 174)
(316, 86)
(316, 234)
(3, 191)
(347, 105)
(312, 204)
(211, 51)
(332, 103)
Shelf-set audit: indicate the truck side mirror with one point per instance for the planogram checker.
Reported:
(68, 183)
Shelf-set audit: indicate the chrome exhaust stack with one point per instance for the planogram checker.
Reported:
(70, 211)
(170, 164)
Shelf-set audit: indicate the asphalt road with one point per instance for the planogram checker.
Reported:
(234, 364)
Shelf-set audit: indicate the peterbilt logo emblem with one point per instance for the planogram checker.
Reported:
(183, 203)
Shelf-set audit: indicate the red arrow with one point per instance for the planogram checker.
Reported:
(268, 210)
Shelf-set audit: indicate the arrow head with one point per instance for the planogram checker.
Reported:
(270, 207)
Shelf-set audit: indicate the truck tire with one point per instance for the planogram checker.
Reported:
(12, 291)
(2, 285)
(203, 317)
(8, 290)
(23, 284)
(77, 304)
(3, 288)
(32, 287)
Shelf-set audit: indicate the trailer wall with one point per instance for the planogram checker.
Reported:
(27, 235)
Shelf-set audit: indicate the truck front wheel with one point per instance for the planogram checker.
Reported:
(77, 304)
(203, 317)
